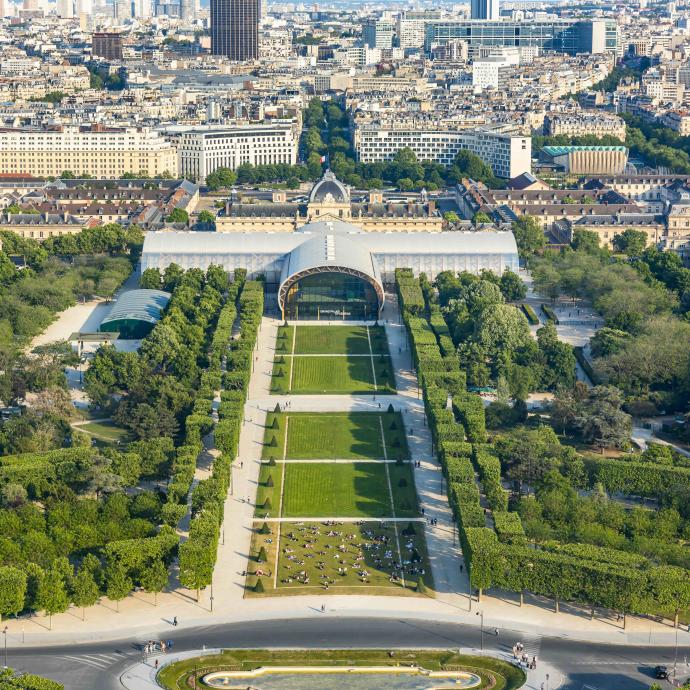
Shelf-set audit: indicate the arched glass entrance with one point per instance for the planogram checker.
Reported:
(329, 296)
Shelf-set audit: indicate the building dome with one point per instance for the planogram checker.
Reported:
(329, 189)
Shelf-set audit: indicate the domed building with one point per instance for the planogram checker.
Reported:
(330, 199)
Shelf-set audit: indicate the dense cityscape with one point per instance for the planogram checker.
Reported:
(344, 345)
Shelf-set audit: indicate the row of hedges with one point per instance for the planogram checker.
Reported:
(576, 573)
(501, 558)
(636, 478)
(440, 377)
(198, 554)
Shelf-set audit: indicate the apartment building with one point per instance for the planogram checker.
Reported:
(677, 120)
(95, 150)
(508, 154)
(581, 124)
(201, 150)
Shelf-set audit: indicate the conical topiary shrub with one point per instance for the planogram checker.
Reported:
(271, 461)
(390, 407)
(269, 481)
(273, 443)
(275, 424)
(259, 587)
(402, 483)
(265, 529)
(267, 504)
(393, 426)
(280, 373)
(276, 409)
(409, 530)
(263, 556)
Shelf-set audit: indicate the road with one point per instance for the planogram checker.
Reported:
(99, 665)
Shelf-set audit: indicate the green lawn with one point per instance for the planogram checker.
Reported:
(106, 431)
(331, 340)
(367, 556)
(310, 372)
(353, 489)
(329, 435)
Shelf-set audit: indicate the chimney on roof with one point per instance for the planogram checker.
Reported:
(431, 205)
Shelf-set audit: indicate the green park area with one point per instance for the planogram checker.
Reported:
(320, 473)
(492, 673)
(335, 359)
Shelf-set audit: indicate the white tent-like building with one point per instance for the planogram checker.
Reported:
(328, 266)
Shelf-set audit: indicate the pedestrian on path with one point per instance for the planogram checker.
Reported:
(175, 621)
(155, 665)
(323, 608)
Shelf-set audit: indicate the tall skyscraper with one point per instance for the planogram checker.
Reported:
(107, 45)
(187, 8)
(485, 9)
(235, 28)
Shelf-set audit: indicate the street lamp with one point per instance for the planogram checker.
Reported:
(675, 655)
(481, 613)
(4, 632)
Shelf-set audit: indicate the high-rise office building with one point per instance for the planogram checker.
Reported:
(485, 9)
(107, 45)
(235, 28)
(187, 8)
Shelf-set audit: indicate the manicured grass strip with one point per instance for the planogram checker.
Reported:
(268, 489)
(332, 375)
(331, 340)
(339, 490)
(404, 491)
(334, 435)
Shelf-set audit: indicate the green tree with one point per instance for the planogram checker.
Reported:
(196, 565)
(451, 217)
(501, 330)
(150, 279)
(221, 178)
(177, 215)
(529, 235)
(481, 217)
(512, 287)
(154, 578)
(51, 595)
(586, 241)
(118, 584)
(84, 590)
(12, 590)
(473, 166)
(631, 242)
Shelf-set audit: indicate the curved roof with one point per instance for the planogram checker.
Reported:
(329, 189)
(138, 305)
(334, 253)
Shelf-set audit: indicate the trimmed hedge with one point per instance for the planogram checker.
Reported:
(509, 527)
(637, 478)
(530, 314)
